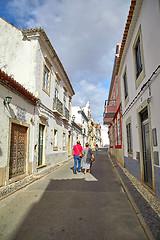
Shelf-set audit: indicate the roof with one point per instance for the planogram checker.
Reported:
(118, 46)
(125, 34)
(13, 84)
(25, 32)
(40, 30)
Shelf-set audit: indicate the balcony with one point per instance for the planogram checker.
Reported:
(65, 116)
(110, 110)
(57, 107)
(107, 121)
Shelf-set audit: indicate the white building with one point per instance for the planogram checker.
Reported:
(82, 120)
(139, 72)
(104, 135)
(29, 57)
(17, 130)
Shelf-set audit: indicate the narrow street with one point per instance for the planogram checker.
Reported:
(64, 206)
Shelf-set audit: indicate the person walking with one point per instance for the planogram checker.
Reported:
(77, 153)
(87, 155)
(96, 148)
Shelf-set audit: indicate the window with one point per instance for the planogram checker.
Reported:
(56, 90)
(138, 57)
(64, 101)
(119, 131)
(69, 105)
(116, 87)
(55, 140)
(111, 135)
(125, 85)
(129, 140)
(46, 79)
(114, 95)
(64, 141)
(115, 132)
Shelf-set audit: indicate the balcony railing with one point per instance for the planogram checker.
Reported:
(57, 107)
(107, 121)
(66, 113)
(110, 108)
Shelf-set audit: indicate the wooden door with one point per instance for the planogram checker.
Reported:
(69, 144)
(18, 148)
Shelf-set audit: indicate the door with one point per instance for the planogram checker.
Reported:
(18, 148)
(146, 149)
(41, 144)
(69, 144)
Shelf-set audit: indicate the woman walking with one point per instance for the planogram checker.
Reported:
(87, 155)
(77, 151)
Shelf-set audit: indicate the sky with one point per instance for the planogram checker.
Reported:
(84, 33)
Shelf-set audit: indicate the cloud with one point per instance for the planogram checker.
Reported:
(84, 35)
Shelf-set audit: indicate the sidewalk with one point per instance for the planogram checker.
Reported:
(143, 201)
(5, 191)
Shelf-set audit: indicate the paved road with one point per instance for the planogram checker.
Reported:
(64, 206)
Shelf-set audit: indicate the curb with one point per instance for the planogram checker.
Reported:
(6, 191)
(134, 205)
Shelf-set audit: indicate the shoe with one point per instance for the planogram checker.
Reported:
(74, 171)
(79, 171)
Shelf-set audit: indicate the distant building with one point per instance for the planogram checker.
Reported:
(82, 120)
(104, 136)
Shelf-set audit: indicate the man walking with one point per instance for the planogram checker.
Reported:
(77, 153)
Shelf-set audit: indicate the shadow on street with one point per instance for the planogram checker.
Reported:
(82, 208)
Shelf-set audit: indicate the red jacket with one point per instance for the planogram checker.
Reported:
(77, 149)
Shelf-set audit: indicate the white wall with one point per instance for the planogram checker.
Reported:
(149, 20)
(104, 135)
(11, 113)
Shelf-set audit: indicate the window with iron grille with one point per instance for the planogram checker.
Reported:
(129, 138)
(138, 56)
(125, 85)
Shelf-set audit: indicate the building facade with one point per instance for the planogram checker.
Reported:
(28, 56)
(138, 68)
(17, 128)
(112, 114)
(81, 119)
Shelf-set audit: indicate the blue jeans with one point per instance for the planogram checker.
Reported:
(77, 158)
